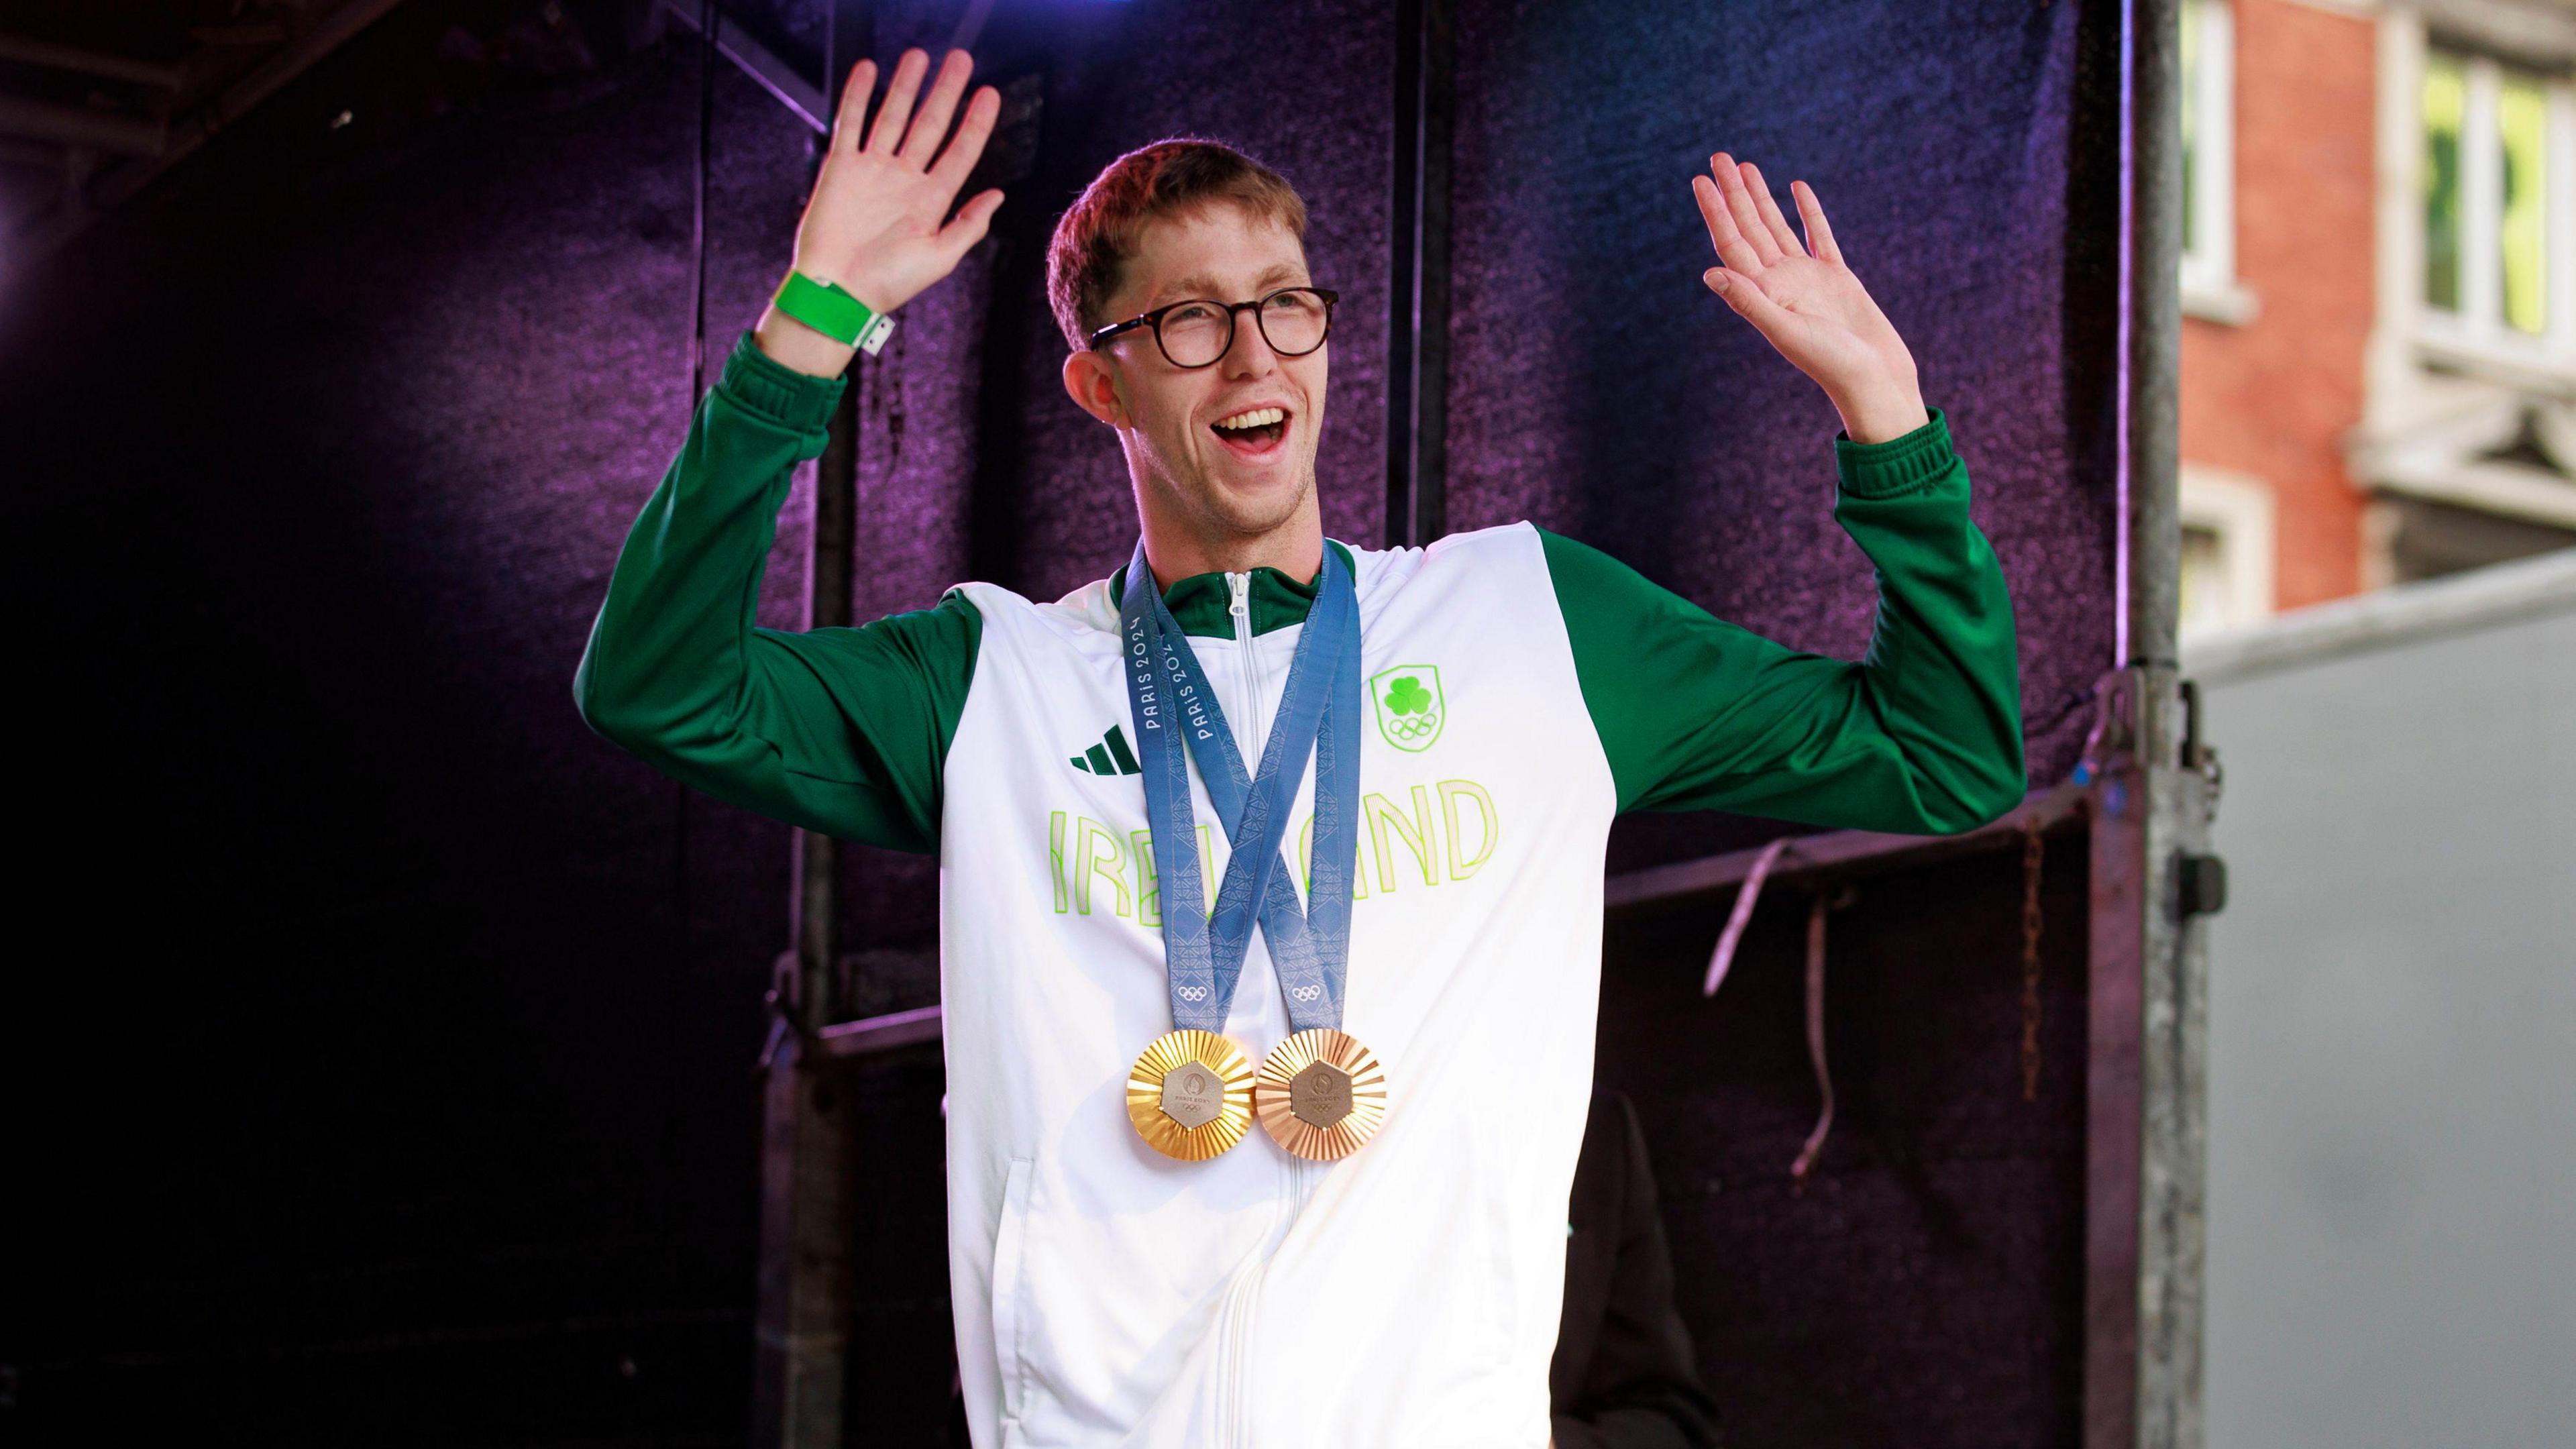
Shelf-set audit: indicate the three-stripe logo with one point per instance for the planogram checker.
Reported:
(1109, 757)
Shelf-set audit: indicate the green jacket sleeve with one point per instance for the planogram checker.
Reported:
(840, 730)
(1922, 735)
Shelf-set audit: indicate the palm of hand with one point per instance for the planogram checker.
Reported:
(873, 214)
(1833, 326)
(1805, 301)
(874, 220)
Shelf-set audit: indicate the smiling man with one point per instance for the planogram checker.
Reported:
(1160, 928)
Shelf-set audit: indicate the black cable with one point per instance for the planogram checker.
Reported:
(697, 392)
(698, 202)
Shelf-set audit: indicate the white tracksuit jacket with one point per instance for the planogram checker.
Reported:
(1405, 1295)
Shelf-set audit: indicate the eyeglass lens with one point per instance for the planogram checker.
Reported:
(1195, 334)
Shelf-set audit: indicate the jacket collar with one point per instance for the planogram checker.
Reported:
(1204, 605)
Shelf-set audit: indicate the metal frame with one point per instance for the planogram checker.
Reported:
(150, 147)
(2146, 793)
(803, 99)
(808, 1159)
(1417, 331)
(2146, 1103)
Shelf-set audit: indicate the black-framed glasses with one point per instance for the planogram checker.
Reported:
(1197, 331)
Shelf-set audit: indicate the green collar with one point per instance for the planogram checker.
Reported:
(1205, 604)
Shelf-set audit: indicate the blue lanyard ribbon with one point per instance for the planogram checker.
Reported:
(1174, 710)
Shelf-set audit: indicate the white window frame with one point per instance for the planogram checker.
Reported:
(2476, 338)
(2239, 508)
(2210, 288)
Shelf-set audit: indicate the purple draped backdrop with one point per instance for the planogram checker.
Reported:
(398, 1070)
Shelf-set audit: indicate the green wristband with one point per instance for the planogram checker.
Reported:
(828, 308)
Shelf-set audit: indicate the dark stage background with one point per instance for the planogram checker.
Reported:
(381, 1073)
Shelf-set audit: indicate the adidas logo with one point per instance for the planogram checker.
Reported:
(1109, 757)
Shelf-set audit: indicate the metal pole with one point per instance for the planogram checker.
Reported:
(2146, 1080)
(808, 1166)
(2152, 381)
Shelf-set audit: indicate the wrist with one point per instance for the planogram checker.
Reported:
(1882, 414)
(795, 345)
(865, 289)
(821, 304)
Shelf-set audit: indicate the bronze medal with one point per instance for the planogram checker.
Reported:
(1320, 1094)
(1190, 1095)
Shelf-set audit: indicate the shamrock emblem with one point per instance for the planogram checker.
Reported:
(1410, 709)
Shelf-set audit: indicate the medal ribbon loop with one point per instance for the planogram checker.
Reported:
(1175, 713)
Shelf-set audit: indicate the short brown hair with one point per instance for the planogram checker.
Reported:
(1097, 234)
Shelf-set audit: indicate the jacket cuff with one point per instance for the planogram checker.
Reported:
(772, 389)
(1897, 466)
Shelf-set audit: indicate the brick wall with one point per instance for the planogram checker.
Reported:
(2271, 398)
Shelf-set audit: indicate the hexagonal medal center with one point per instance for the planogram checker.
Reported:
(1320, 1096)
(1192, 1095)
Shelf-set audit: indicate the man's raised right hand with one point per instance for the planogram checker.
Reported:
(873, 222)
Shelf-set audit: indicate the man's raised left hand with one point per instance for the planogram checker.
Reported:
(1805, 302)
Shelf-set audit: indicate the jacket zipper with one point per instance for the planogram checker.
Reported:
(1249, 670)
(1232, 1429)
(1237, 1411)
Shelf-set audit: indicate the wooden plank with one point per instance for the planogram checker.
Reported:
(1844, 852)
(842, 1041)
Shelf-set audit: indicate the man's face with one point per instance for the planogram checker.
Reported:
(1216, 483)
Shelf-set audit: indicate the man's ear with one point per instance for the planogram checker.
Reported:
(1094, 387)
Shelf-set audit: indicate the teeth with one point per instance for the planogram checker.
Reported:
(1253, 419)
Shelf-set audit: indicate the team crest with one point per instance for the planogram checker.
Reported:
(1410, 709)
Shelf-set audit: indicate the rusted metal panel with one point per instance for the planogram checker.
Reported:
(2146, 1138)
(2112, 1132)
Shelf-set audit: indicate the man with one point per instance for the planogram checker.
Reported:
(1122, 1272)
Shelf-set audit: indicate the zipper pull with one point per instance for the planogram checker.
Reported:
(1242, 586)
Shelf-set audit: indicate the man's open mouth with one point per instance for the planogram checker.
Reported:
(1253, 433)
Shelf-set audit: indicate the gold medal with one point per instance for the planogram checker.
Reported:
(1190, 1095)
(1320, 1094)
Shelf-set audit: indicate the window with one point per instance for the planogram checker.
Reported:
(2522, 119)
(2209, 285)
(2498, 207)
(2446, 90)
(2206, 607)
(2226, 550)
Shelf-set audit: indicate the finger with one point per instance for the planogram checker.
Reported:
(898, 101)
(969, 225)
(932, 124)
(1760, 190)
(1811, 214)
(853, 113)
(1768, 317)
(968, 144)
(1732, 248)
(1739, 204)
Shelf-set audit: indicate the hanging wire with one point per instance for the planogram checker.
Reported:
(1825, 900)
(1745, 895)
(1817, 909)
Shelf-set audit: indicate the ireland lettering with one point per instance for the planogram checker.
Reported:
(1417, 837)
